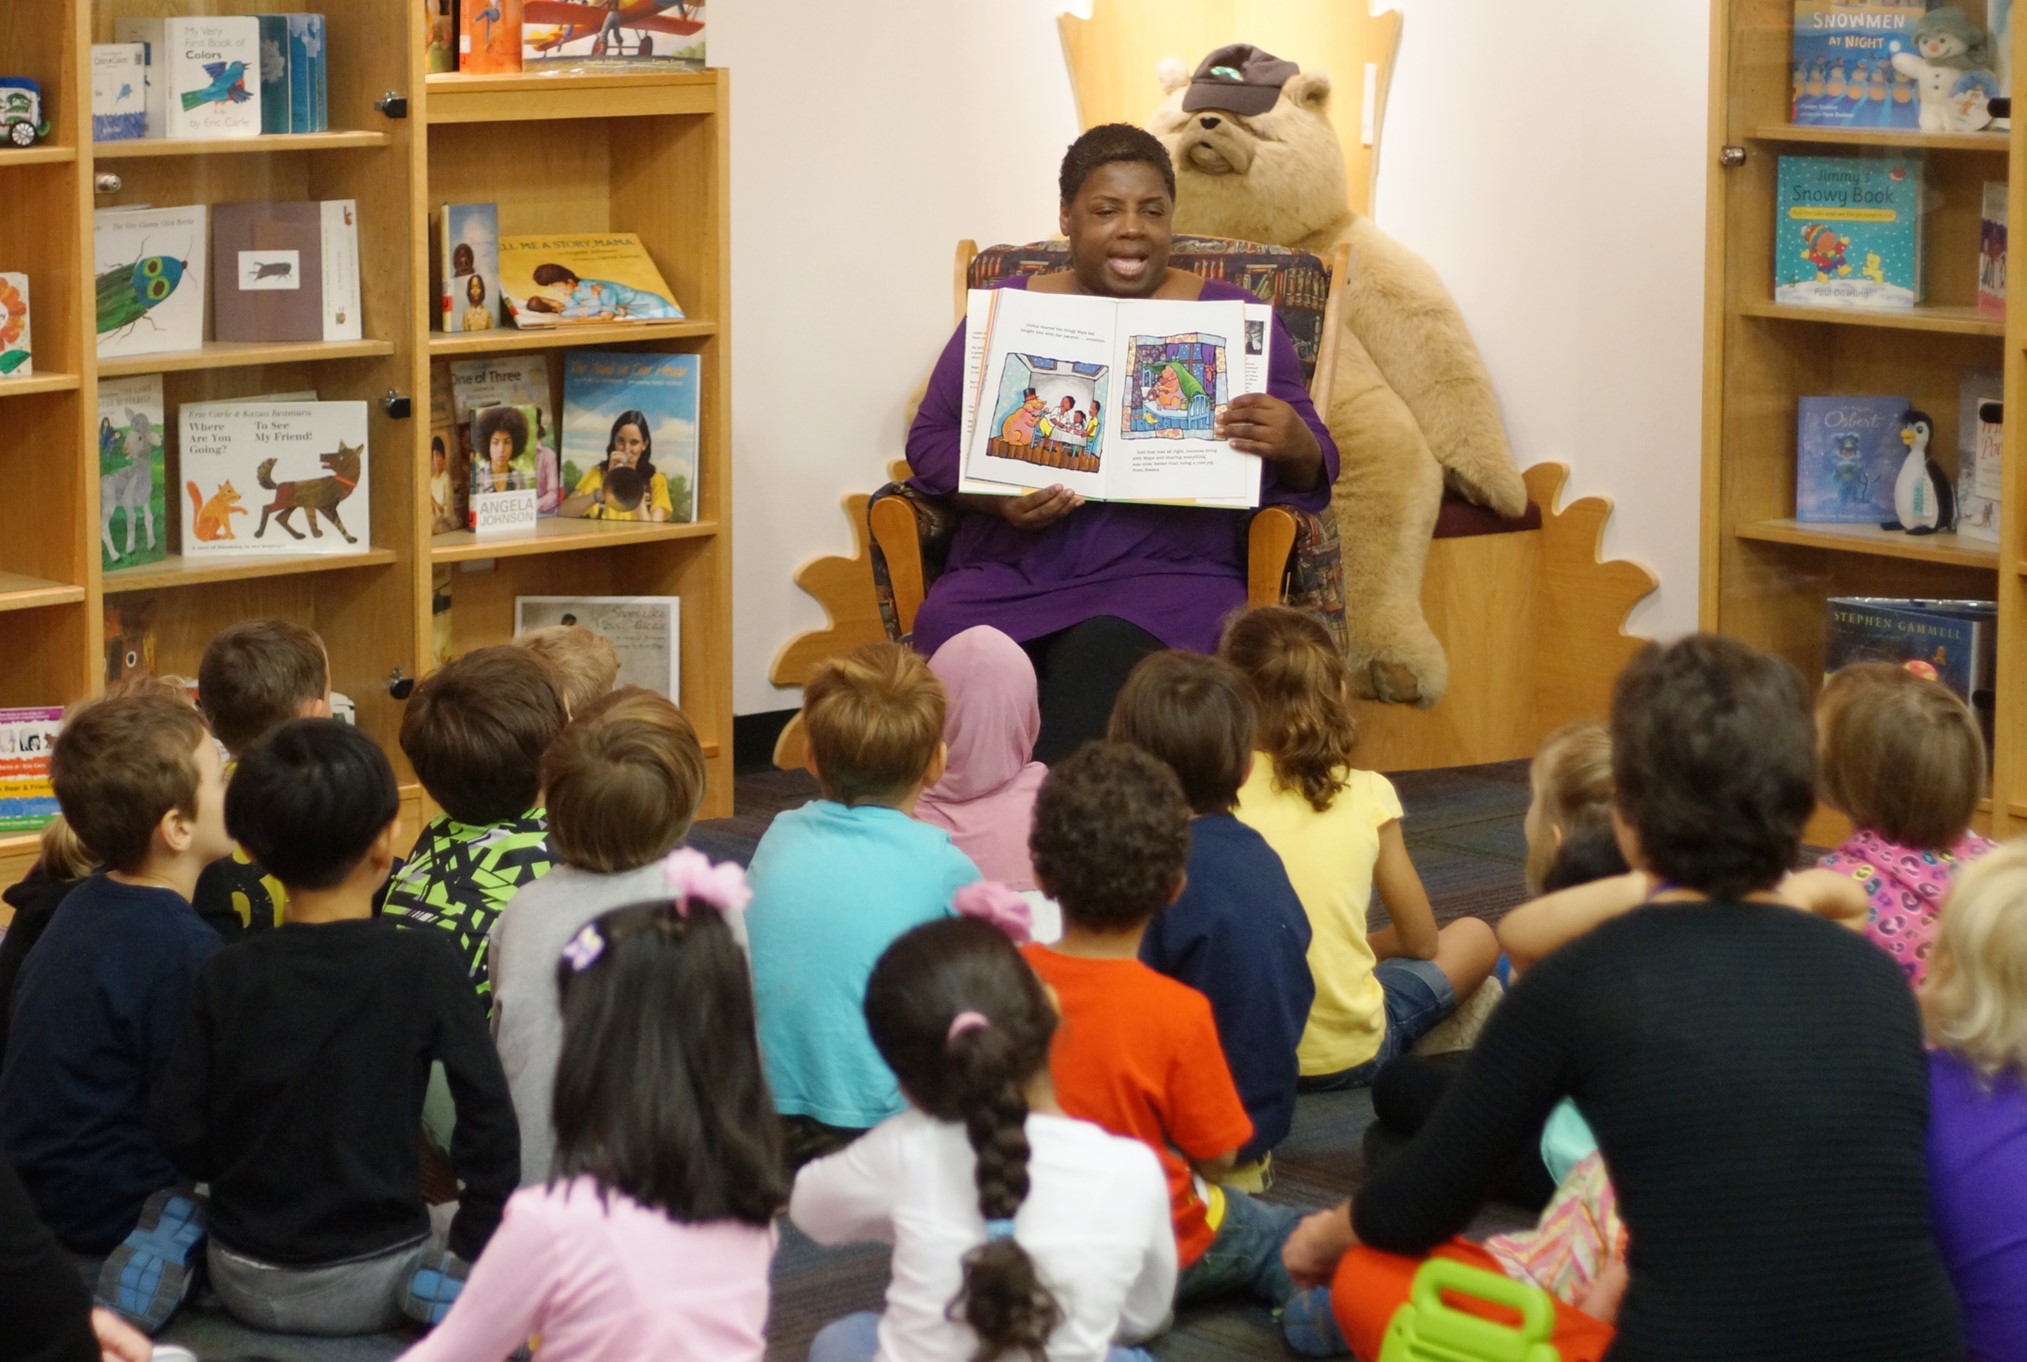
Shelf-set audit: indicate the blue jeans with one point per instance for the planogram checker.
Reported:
(1245, 1255)
(855, 1338)
(1418, 997)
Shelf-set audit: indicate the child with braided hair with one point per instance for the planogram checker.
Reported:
(1018, 1232)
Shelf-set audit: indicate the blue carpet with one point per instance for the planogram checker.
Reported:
(1463, 829)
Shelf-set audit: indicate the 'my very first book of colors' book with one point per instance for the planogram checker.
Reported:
(1848, 232)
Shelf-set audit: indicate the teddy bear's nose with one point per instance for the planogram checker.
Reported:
(1209, 122)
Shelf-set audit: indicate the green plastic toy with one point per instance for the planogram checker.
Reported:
(1426, 1330)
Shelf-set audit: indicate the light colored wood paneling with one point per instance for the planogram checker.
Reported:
(179, 571)
(1890, 139)
(844, 587)
(1870, 539)
(272, 144)
(512, 341)
(556, 535)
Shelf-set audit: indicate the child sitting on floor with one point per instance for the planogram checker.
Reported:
(1975, 1002)
(1138, 1053)
(475, 731)
(308, 1139)
(1237, 934)
(99, 1000)
(986, 797)
(1337, 830)
(584, 658)
(655, 1239)
(621, 786)
(1017, 1231)
(835, 881)
(1904, 760)
(255, 676)
(61, 865)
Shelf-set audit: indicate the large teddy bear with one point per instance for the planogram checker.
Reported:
(1411, 403)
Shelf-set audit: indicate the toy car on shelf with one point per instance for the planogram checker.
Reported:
(21, 116)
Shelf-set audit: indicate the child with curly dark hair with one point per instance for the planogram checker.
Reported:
(1018, 1232)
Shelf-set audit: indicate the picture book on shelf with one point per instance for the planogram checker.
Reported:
(1841, 63)
(645, 632)
(133, 472)
(469, 247)
(1954, 642)
(146, 33)
(130, 638)
(277, 99)
(287, 477)
(489, 36)
(1981, 414)
(593, 35)
(1114, 400)
(119, 92)
(27, 799)
(439, 39)
(150, 279)
(579, 280)
(267, 280)
(1992, 251)
(449, 475)
(1848, 231)
(630, 436)
(1848, 451)
(502, 438)
(309, 98)
(212, 86)
(17, 342)
(512, 380)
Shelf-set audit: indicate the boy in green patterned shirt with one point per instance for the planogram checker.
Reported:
(475, 731)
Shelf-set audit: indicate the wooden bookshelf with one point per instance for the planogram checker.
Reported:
(612, 152)
(1765, 577)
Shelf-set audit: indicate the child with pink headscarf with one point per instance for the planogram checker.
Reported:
(986, 799)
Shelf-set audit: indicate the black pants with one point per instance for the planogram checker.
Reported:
(1404, 1096)
(1081, 670)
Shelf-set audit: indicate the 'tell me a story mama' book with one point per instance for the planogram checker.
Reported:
(1848, 232)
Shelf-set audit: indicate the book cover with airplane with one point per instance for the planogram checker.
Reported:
(589, 34)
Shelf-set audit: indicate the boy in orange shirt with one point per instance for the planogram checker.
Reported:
(1138, 1052)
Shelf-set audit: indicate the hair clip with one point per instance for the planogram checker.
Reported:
(689, 874)
(992, 902)
(962, 1022)
(584, 949)
(996, 1230)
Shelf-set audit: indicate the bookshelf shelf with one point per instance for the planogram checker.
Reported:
(557, 535)
(267, 144)
(1892, 139)
(19, 592)
(178, 571)
(1951, 320)
(1870, 539)
(39, 383)
(513, 341)
(49, 154)
(241, 354)
(520, 97)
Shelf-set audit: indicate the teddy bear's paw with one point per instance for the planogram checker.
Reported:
(1411, 671)
(1494, 484)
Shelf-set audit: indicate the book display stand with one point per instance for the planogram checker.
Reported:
(1766, 577)
(590, 153)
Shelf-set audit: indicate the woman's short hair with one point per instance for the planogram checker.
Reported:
(1975, 1000)
(1713, 763)
(1107, 144)
(1902, 756)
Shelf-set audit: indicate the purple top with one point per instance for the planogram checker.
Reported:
(1175, 571)
(1977, 1172)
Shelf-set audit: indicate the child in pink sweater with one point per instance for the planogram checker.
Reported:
(653, 1241)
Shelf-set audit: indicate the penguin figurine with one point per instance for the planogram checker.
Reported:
(1923, 499)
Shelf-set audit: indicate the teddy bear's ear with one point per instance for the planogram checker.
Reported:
(1172, 74)
(1310, 89)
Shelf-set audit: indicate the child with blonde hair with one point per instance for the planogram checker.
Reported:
(1904, 759)
(1569, 798)
(835, 881)
(1338, 832)
(1975, 1006)
(584, 658)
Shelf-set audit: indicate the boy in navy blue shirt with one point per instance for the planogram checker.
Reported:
(1237, 934)
(100, 998)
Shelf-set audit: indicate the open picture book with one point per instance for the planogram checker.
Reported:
(1112, 398)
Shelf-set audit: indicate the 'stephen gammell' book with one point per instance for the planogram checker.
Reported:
(275, 477)
(1848, 232)
(1113, 399)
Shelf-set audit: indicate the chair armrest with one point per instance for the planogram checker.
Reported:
(910, 536)
(1293, 556)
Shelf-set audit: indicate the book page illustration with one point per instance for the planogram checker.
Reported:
(1049, 412)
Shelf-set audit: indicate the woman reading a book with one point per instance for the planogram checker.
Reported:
(1088, 590)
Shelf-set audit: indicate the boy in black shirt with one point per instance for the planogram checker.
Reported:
(309, 1140)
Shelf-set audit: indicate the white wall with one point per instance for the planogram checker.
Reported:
(1547, 158)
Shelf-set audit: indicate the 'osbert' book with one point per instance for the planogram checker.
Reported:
(1848, 232)
(1848, 451)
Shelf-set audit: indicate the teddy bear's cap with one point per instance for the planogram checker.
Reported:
(1240, 78)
